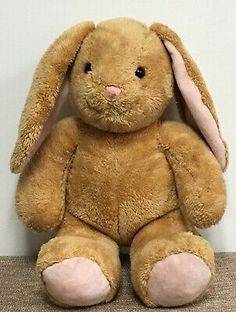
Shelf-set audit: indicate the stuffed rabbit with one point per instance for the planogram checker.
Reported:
(116, 173)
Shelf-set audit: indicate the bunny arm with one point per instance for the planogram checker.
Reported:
(40, 197)
(198, 176)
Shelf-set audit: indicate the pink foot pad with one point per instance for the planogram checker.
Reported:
(76, 282)
(178, 279)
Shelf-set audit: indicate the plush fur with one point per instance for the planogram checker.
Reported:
(116, 174)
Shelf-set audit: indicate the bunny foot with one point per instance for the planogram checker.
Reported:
(178, 279)
(76, 282)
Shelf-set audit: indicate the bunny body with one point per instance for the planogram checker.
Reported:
(118, 203)
(117, 174)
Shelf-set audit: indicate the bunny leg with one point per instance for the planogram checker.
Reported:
(79, 267)
(170, 266)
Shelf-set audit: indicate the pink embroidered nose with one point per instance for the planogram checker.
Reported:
(113, 91)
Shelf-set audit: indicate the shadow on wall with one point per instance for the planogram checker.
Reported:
(34, 241)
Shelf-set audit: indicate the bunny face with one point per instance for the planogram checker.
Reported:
(122, 79)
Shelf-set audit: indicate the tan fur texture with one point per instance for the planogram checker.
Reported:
(49, 76)
(201, 191)
(116, 174)
(76, 239)
(41, 191)
(159, 239)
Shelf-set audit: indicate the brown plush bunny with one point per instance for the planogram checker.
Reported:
(115, 174)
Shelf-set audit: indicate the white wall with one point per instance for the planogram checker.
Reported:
(208, 29)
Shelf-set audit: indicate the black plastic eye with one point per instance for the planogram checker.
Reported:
(87, 67)
(140, 72)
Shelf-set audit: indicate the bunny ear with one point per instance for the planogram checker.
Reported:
(47, 93)
(194, 101)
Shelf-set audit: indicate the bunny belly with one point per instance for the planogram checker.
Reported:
(119, 185)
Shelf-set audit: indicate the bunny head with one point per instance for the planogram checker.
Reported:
(122, 79)
(120, 76)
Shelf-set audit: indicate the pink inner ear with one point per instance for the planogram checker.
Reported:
(198, 110)
(59, 101)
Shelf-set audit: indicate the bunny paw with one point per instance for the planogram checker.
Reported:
(178, 279)
(76, 282)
